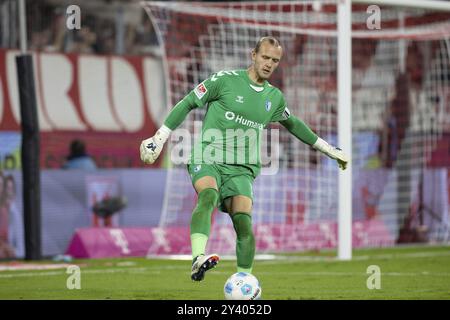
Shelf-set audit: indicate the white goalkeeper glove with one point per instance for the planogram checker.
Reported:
(151, 148)
(333, 152)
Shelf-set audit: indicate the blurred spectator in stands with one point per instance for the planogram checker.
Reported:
(103, 29)
(78, 158)
(5, 249)
(107, 37)
(38, 27)
(3, 210)
(371, 200)
(40, 40)
(397, 118)
(16, 228)
(58, 35)
(144, 37)
(408, 88)
(84, 41)
(375, 160)
(415, 66)
(363, 52)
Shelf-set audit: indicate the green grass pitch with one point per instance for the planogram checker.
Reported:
(413, 272)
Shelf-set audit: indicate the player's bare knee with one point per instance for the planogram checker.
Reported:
(241, 204)
(205, 183)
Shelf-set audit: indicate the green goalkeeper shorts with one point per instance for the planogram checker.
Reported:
(231, 180)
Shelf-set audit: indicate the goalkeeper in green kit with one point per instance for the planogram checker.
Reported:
(223, 166)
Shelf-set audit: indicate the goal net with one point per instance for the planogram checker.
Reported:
(400, 118)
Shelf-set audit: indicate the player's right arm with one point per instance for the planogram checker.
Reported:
(151, 148)
(207, 91)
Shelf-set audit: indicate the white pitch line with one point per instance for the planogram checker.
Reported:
(289, 259)
(58, 273)
(272, 258)
(278, 260)
(218, 272)
(363, 274)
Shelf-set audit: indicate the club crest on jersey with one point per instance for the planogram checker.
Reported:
(268, 105)
(200, 90)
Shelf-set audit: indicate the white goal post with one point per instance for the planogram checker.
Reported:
(344, 81)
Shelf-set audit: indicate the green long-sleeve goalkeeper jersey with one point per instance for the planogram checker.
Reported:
(237, 112)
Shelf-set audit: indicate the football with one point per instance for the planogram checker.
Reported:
(242, 286)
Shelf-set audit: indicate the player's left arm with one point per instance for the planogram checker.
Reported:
(302, 132)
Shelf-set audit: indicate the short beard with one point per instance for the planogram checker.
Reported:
(263, 76)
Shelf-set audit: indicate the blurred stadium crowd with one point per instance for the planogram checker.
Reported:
(108, 27)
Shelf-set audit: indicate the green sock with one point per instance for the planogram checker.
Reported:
(198, 244)
(201, 220)
(245, 241)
